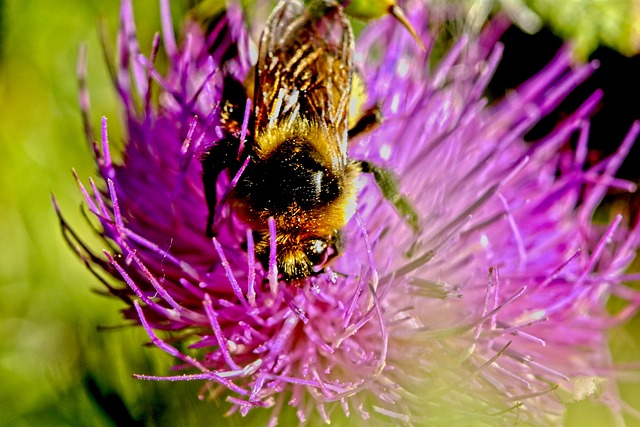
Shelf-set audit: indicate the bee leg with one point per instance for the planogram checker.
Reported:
(233, 104)
(224, 154)
(221, 156)
(370, 120)
(388, 185)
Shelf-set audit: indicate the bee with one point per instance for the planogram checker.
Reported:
(296, 167)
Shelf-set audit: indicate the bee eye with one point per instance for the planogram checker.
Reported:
(317, 252)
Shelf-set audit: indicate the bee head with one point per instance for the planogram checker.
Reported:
(299, 258)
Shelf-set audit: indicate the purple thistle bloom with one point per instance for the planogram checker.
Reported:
(493, 313)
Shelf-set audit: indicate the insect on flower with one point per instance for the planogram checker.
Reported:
(293, 166)
(493, 313)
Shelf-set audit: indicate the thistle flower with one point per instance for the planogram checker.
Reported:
(494, 312)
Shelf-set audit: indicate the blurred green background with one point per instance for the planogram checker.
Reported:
(56, 369)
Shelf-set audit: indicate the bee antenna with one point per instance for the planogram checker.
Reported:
(397, 12)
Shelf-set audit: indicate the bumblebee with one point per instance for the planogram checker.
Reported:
(294, 165)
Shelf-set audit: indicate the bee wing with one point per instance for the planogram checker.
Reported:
(305, 68)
